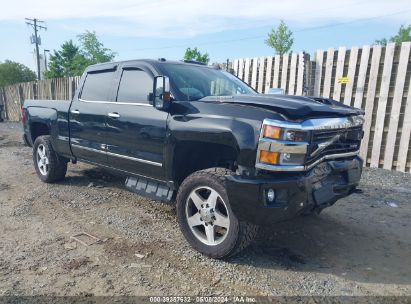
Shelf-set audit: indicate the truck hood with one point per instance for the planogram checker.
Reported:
(293, 107)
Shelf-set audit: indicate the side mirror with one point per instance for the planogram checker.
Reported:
(275, 91)
(161, 93)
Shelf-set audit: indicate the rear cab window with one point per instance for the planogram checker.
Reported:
(97, 86)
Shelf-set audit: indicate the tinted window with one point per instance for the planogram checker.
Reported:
(97, 86)
(193, 82)
(135, 86)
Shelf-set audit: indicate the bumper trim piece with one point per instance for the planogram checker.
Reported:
(282, 146)
(304, 168)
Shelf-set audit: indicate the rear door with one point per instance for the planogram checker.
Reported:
(136, 130)
(88, 115)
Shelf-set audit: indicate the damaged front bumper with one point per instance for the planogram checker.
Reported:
(294, 193)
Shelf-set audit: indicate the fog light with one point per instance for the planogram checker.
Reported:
(269, 157)
(270, 195)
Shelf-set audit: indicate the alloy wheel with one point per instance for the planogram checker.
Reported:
(42, 160)
(207, 216)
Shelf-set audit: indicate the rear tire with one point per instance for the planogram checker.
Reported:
(49, 166)
(205, 216)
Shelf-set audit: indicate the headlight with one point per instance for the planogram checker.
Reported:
(275, 158)
(271, 132)
(284, 134)
(282, 146)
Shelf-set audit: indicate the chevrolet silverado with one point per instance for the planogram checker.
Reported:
(230, 158)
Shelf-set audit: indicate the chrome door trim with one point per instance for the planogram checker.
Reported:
(115, 102)
(88, 149)
(149, 162)
(136, 159)
(113, 115)
(124, 171)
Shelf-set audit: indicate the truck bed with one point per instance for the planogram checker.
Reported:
(53, 113)
(58, 104)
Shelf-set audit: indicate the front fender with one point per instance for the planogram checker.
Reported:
(237, 134)
(235, 126)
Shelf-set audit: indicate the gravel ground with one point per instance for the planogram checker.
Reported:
(361, 246)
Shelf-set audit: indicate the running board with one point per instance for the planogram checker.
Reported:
(148, 188)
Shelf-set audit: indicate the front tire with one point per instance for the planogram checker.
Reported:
(49, 166)
(205, 216)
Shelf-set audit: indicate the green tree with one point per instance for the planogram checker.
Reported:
(195, 54)
(93, 50)
(382, 41)
(403, 35)
(13, 72)
(280, 39)
(66, 62)
(72, 60)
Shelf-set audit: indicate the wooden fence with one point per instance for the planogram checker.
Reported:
(374, 78)
(12, 97)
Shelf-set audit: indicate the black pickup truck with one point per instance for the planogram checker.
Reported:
(231, 159)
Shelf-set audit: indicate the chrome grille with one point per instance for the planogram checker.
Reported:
(348, 140)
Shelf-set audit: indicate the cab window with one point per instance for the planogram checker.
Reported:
(135, 86)
(97, 86)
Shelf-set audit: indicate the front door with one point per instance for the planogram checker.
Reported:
(136, 130)
(88, 115)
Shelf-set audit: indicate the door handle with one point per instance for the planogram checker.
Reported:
(114, 115)
(75, 112)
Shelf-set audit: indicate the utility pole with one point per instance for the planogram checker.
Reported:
(35, 24)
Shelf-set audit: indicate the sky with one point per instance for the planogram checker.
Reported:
(223, 28)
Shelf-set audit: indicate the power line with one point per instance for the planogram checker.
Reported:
(264, 36)
(350, 22)
(36, 27)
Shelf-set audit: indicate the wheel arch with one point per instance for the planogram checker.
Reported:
(190, 156)
(42, 121)
(38, 129)
(207, 142)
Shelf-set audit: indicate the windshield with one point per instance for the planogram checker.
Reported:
(195, 82)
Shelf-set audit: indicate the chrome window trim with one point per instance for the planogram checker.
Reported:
(149, 162)
(115, 102)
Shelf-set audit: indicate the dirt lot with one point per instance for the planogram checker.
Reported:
(361, 246)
